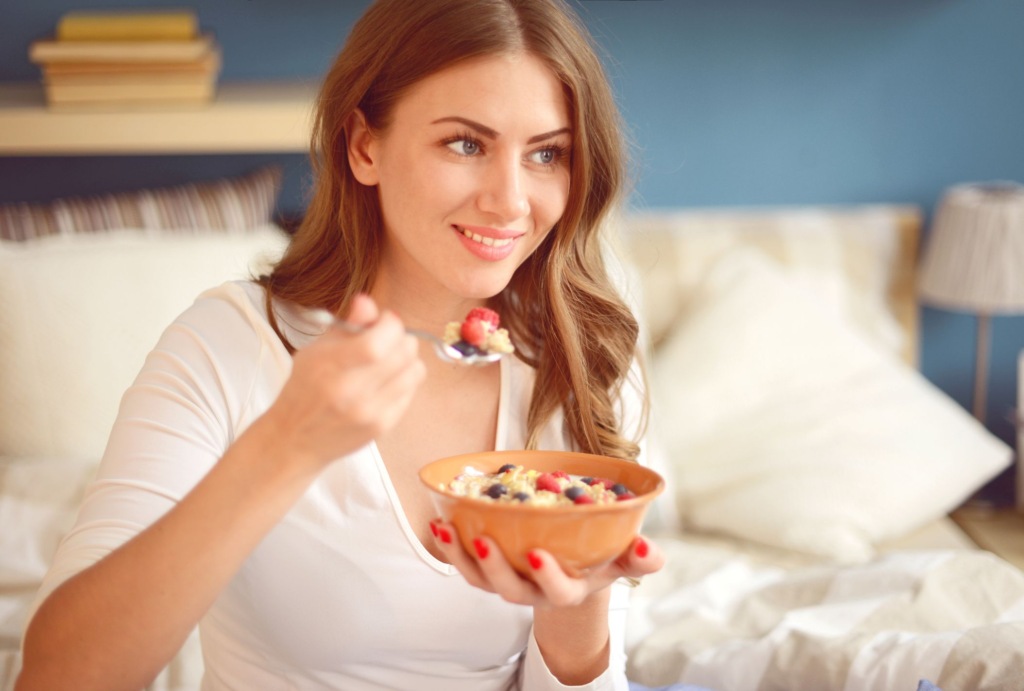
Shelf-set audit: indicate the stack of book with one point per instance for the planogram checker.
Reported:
(128, 58)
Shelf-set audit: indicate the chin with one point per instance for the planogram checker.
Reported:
(481, 286)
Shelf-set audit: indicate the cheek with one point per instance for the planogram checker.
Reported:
(549, 202)
(441, 183)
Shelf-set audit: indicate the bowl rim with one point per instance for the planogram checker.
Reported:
(644, 498)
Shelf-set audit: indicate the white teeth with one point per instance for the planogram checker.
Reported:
(490, 242)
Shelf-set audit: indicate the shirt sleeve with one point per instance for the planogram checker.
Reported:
(173, 424)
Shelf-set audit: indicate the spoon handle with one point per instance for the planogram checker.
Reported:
(325, 318)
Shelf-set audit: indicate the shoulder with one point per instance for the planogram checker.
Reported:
(219, 338)
(231, 310)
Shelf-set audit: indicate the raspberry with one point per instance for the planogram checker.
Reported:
(624, 497)
(559, 473)
(583, 499)
(549, 482)
(602, 481)
(474, 332)
(484, 314)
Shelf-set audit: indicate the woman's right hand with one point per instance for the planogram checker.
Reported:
(346, 389)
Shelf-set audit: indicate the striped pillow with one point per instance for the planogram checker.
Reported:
(236, 203)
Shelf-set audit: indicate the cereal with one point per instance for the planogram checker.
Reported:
(479, 333)
(514, 484)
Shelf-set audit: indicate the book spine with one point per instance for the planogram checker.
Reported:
(128, 26)
(45, 51)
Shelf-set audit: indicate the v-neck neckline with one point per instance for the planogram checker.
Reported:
(500, 441)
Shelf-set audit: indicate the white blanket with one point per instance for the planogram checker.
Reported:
(758, 621)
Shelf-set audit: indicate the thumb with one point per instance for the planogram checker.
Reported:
(363, 310)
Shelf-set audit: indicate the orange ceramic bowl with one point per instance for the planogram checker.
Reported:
(581, 538)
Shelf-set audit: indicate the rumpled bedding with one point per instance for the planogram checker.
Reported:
(758, 621)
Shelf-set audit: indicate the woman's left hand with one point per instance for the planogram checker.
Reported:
(489, 570)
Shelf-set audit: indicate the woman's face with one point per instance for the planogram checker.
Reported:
(481, 147)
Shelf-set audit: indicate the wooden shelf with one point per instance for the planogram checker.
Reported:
(244, 117)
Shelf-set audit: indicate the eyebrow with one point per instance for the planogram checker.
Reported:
(491, 134)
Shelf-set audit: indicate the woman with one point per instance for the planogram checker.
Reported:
(261, 478)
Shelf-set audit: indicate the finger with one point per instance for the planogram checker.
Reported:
(379, 341)
(559, 589)
(505, 580)
(371, 378)
(642, 557)
(448, 541)
(374, 344)
(395, 395)
(362, 311)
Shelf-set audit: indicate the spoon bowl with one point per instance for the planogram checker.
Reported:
(444, 351)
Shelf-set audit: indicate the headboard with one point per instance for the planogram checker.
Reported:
(862, 256)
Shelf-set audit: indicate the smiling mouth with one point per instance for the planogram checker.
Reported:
(489, 242)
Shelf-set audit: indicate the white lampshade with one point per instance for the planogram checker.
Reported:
(974, 259)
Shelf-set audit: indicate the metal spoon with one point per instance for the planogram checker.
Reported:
(443, 350)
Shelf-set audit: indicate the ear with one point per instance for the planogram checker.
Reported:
(363, 149)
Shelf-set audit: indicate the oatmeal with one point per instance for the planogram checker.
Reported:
(479, 333)
(514, 484)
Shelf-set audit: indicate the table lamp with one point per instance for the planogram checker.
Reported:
(974, 262)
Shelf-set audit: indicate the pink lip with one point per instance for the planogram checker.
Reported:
(492, 232)
(492, 254)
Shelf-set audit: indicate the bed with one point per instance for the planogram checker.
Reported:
(811, 469)
(809, 543)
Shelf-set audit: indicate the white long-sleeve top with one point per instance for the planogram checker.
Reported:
(340, 594)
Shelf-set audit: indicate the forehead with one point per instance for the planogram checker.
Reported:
(517, 94)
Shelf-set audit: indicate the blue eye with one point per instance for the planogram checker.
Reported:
(469, 146)
(552, 155)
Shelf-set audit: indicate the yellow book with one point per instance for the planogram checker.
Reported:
(68, 94)
(142, 80)
(210, 61)
(47, 50)
(137, 25)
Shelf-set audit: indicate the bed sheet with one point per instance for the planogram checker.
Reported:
(734, 616)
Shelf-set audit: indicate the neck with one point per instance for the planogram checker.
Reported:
(420, 301)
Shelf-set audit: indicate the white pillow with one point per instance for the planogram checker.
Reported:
(848, 257)
(79, 313)
(663, 515)
(39, 499)
(789, 428)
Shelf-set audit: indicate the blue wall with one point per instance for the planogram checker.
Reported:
(736, 102)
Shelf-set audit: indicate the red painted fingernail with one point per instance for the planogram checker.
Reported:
(445, 535)
(433, 528)
(534, 560)
(481, 548)
(641, 547)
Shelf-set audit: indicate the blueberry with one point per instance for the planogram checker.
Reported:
(619, 489)
(496, 490)
(506, 468)
(521, 496)
(587, 480)
(466, 348)
(573, 492)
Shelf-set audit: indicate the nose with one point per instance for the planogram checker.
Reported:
(504, 193)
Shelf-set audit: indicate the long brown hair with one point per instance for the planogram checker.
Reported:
(561, 309)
